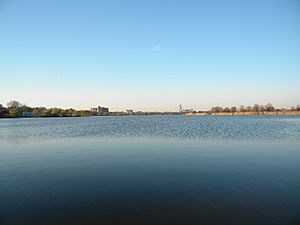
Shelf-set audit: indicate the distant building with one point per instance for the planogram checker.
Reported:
(102, 109)
(182, 110)
(27, 114)
(94, 109)
(187, 110)
(129, 111)
(139, 113)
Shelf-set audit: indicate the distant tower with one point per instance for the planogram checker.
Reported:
(180, 108)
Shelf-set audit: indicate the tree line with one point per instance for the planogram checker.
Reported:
(16, 109)
(255, 108)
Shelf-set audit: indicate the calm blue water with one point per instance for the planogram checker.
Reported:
(150, 170)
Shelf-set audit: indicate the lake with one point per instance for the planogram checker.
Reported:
(150, 170)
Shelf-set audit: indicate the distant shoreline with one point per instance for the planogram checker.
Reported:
(16, 109)
(293, 113)
(243, 113)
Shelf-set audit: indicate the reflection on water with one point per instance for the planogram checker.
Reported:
(150, 170)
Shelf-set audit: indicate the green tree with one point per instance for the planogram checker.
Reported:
(46, 112)
(55, 112)
(3, 111)
(15, 108)
(26, 108)
(15, 112)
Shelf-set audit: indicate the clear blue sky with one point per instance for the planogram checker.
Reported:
(151, 54)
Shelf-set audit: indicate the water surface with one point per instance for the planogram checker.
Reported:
(150, 170)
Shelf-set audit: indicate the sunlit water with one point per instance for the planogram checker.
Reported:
(150, 170)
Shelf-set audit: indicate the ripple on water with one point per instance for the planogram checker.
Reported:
(279, 128)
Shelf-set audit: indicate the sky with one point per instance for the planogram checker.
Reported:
(150, 55)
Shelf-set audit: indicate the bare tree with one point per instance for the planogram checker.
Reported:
(269, 107)
(216, 109)
(256, 108)
(233, 109)
(248, 108)
(226, 110)
(14, 104)
(242, 108)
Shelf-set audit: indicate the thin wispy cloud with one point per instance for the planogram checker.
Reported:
(157, 48)
(154, 48)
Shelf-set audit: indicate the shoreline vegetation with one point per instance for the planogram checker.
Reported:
(256, 109)
(16, 109)
(243, 113)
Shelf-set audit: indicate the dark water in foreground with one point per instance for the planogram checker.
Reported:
(150, 170)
